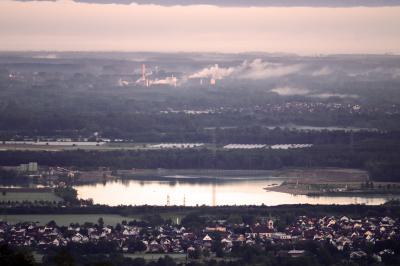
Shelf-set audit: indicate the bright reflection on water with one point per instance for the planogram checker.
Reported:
(233, 192)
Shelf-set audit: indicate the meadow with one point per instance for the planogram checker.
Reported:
(29, 196)
(65, 219)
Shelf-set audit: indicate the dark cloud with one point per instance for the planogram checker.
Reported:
(259, 3)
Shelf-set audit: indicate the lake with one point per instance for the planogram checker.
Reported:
(191, 192)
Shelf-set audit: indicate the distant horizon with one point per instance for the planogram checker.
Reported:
(197, 52)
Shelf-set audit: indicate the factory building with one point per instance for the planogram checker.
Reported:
(31, 167)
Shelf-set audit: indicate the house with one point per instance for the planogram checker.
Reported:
(262, 230)
(358, 254)
(207, 238)
(221, 229)
(296, 253)
(281, 236)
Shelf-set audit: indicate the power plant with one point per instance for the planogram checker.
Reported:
(146, 81)
(209, 76)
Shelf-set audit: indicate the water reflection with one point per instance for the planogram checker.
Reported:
(208, 192)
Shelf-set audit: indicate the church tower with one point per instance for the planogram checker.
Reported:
(270, 224)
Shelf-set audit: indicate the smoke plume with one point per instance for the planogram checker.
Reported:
(254, 70)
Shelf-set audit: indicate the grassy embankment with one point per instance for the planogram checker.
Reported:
(28, 194)
(332, 182)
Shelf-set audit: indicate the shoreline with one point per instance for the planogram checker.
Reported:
(337, 190)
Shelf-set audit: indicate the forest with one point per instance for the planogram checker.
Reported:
(380, 159)
(351, 116)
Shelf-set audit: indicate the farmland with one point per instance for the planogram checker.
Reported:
(154, 256)
(28, 196)
(65, 219)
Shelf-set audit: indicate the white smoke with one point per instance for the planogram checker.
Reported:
(147, 74)
(254, 70)
(396, 73)
(257, 69)
(338, 95)
(123, 83)
(393, 73)
(172, 81)
(214, 72)
(46, 56)
(287, 91)
(322, 72)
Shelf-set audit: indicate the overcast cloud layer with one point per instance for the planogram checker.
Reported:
(68, 25)
(243, 3)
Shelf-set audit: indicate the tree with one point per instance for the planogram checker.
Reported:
(217, 247)
(64, 258)
(154, 219)
(166, 261)
(235, 219)
(193, 220)
(68, 194)
(15, 257)
(194, 253)
(52, 223)
(100, 222)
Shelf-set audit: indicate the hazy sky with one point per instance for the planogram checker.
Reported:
(70, 25)
(330, 3)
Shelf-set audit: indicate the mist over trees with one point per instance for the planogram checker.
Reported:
(347, 106)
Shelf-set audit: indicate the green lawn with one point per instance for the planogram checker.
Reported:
(153, 257)
(66, 219)
(177, 257)
(29, 196)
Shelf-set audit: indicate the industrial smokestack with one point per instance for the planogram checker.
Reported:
(174, 80)
(143, 72)
(144, 79)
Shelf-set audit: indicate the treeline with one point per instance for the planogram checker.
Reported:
(384, 171)
(156, 127)
(178, 132)
(391, 209)
(191, 159)
(15, 256)
(380, 158)
(316, 254)
(80, 105)
(263, 135)
(11, 177)
(7, 174)
(68, 194)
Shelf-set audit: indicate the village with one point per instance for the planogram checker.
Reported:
(353, 238)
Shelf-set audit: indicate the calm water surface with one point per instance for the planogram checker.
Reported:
(191, 193)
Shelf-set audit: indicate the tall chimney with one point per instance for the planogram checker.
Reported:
(144, 73)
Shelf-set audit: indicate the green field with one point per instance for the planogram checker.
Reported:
(177, 257)
(66, 219)
(29, 196)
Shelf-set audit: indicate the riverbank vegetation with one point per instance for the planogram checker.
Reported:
(315, 188)
(380, 159)
(391, 208)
